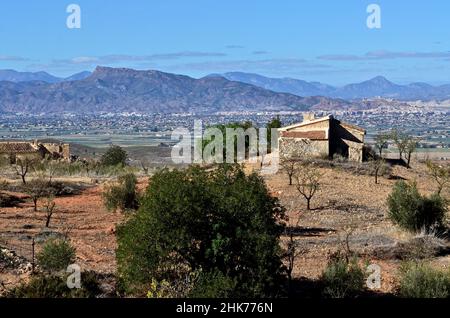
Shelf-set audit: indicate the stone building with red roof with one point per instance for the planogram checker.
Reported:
(322, 137)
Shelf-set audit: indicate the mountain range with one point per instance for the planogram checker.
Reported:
(375, 87)
(18, 77)
(127, 90)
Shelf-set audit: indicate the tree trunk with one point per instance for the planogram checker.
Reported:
(308, 204)
(23, 179)
(290, 179)
(408, 160)
(35, 204)
(47, 223)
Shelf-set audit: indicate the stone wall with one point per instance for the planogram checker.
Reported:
(58, 150)
(294, 147)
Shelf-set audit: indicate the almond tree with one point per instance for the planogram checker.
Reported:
(308, 182)
(411, 145)
(49, 210)
(36, 189)
(377, 165)
(22, 167)
(401, 141)
(381, 142)
(289, 166)
(440, 174)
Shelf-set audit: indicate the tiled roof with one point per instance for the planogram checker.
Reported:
(16, 147)
(312, 135)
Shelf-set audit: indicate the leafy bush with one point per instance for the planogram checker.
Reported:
(418, 280)
(55, 286)
(56, 255)
(213, 285)
(414, 212)
(342, 278)
(198, 219)
(114, 156)
(122, 195)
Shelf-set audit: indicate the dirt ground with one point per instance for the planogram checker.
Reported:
(346, 203)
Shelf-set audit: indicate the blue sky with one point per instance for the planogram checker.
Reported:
(320, 40)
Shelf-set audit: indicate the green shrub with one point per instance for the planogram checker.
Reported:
(114, 156)
(55, 286)
(122, 195)
(56, 255)
(418, 280)
(213, 285)
(342, 278)
(200, 219)
(414, 212)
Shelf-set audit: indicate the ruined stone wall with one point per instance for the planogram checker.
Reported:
(66, 151)
(58, 150)
(294, 147)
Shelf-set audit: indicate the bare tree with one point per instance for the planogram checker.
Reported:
(401, 141)
(50, 169)
(377, 164)
(344, 240)
(49, 210)
(440, 174)
(405, 143)
(144, 166)
(290, 166)
(411, 146)
(308, 181)
(381, 142)
(292, 248)
(22, 167)
(36, 189)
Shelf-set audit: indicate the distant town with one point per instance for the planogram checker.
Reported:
(429, 124)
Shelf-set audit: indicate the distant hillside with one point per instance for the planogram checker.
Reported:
(17, 77)
(375, 87)
(126, 90)
(286, 85)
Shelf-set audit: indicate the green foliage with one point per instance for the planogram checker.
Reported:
(55, 286)
(213, 284)
(56, 255)
(414, 212)
(122, 195)
(342, 278)
(418, 280)
(223, 130)
(177, 287)
(114, 156)
(197, 219)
